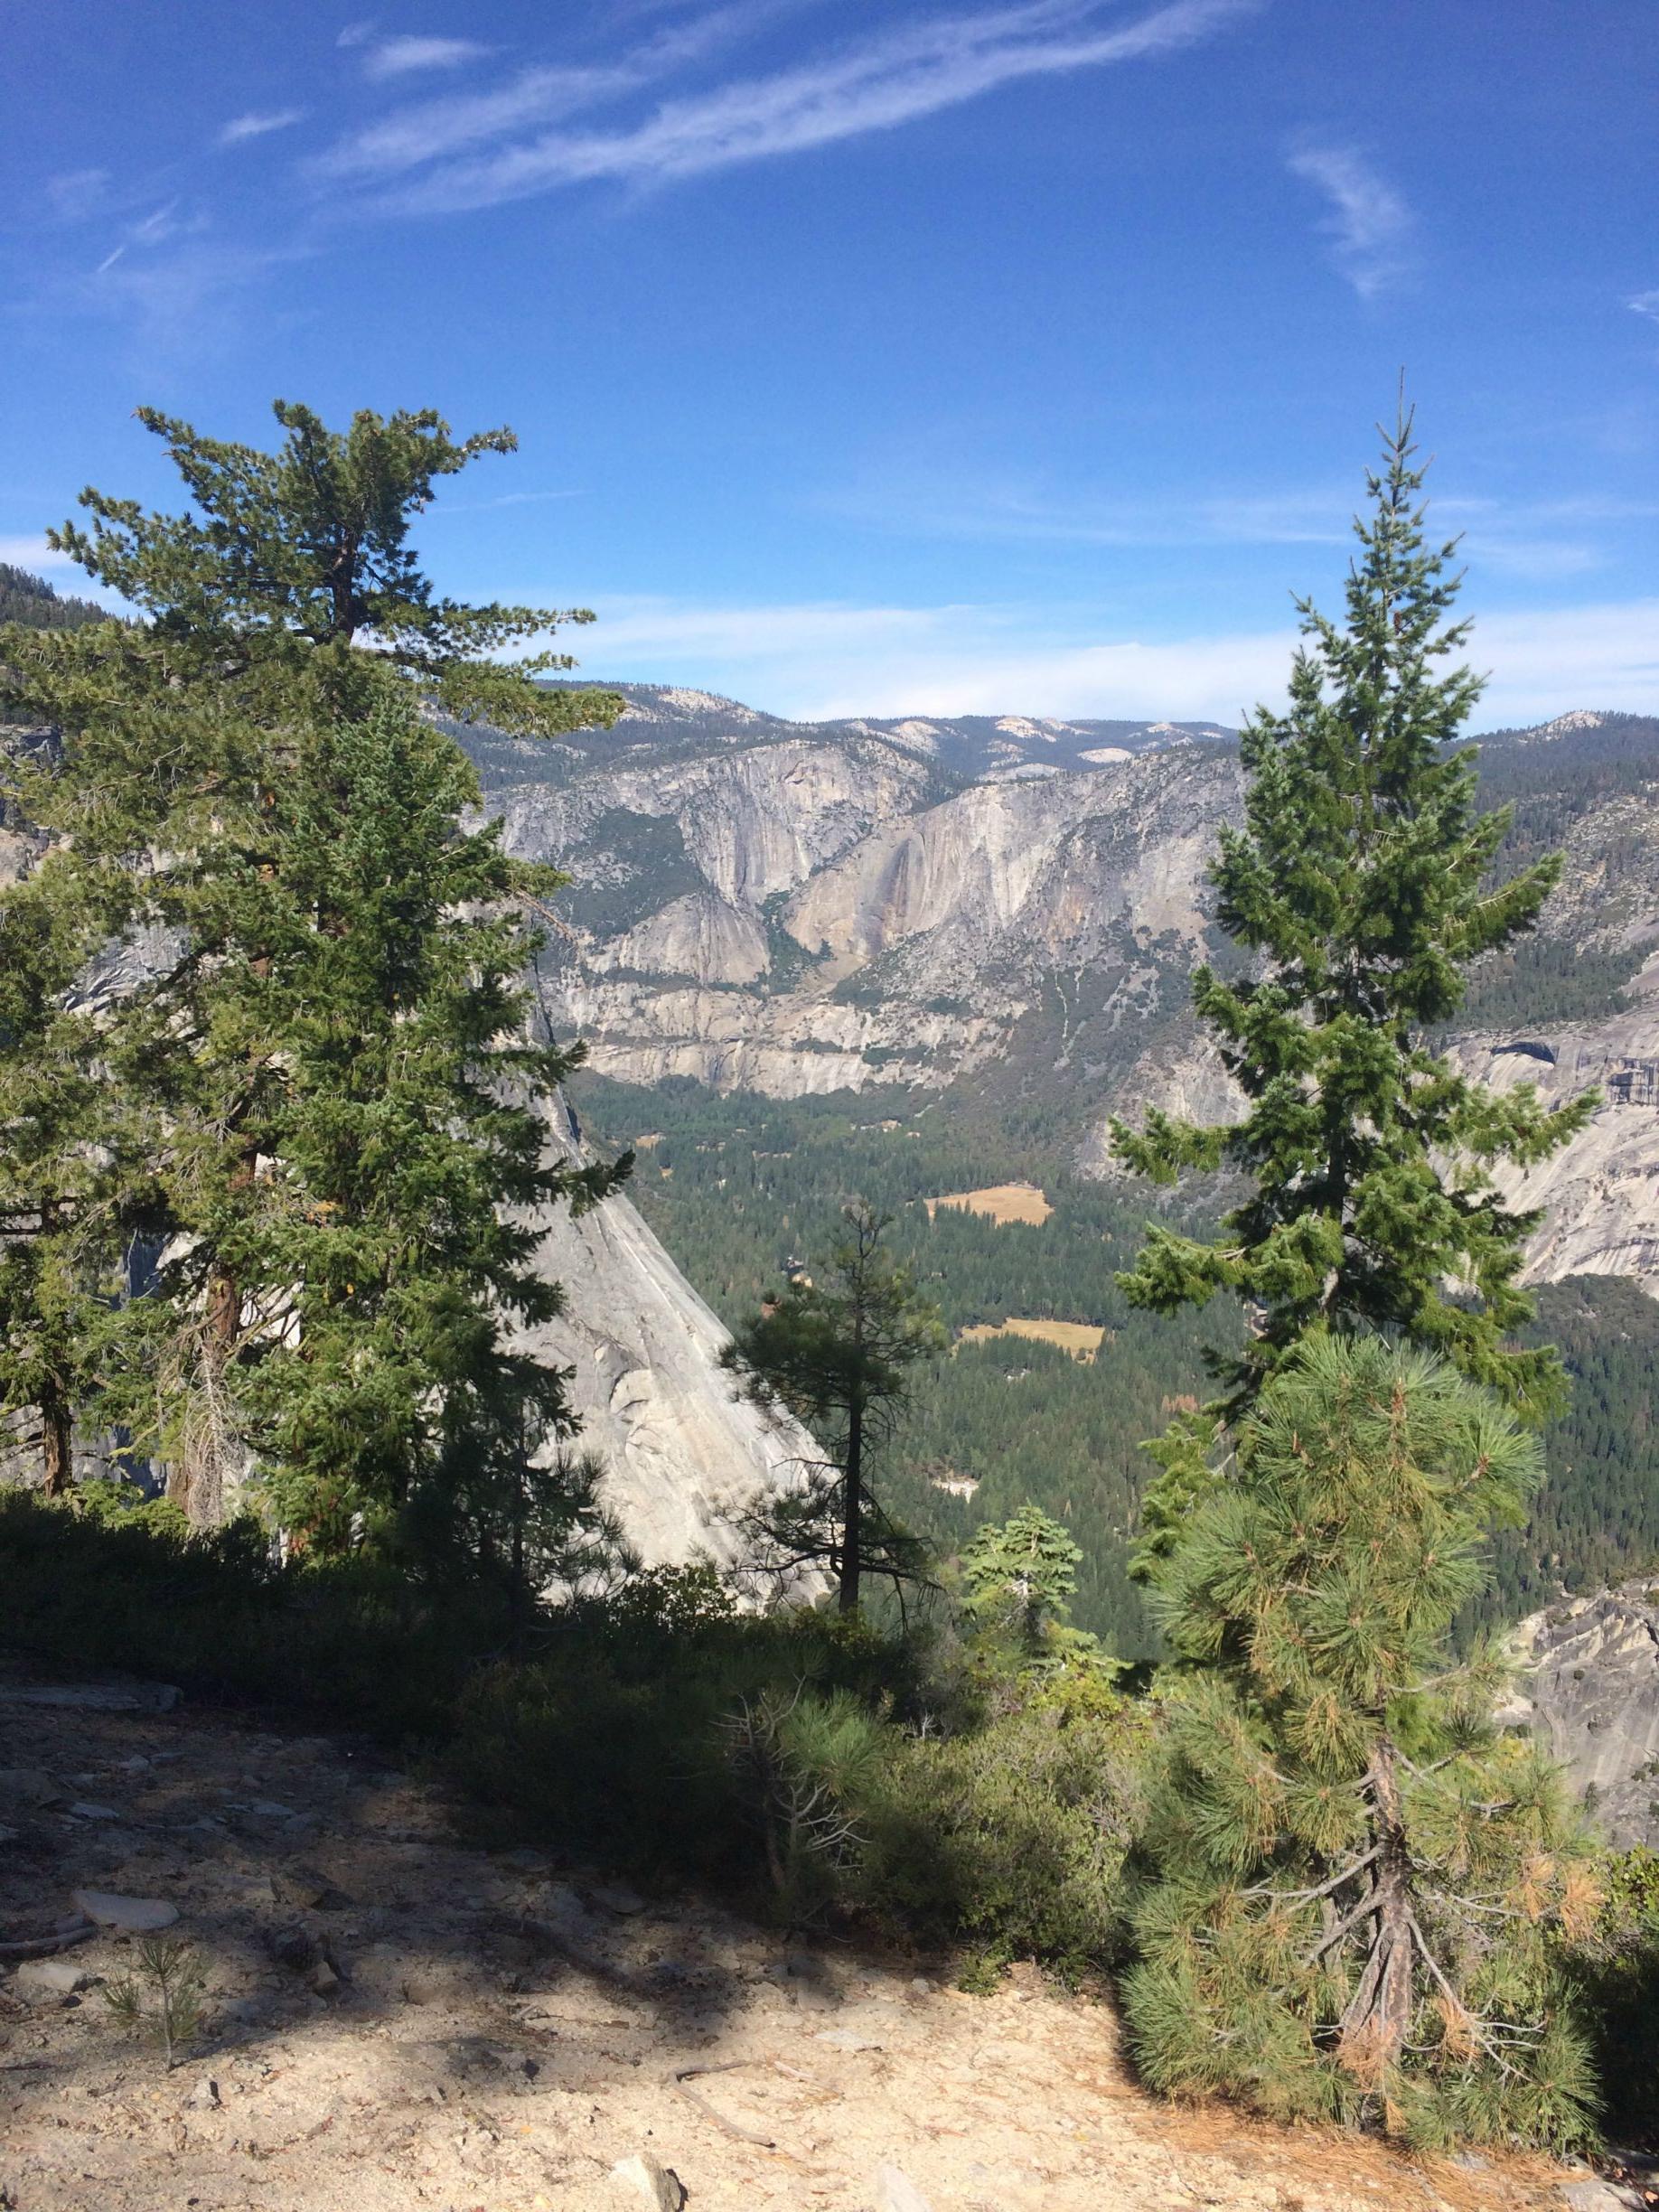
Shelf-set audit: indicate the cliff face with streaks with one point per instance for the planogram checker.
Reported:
(686, 1457)
(950, 906)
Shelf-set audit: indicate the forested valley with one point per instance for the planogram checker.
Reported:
(742, 1188)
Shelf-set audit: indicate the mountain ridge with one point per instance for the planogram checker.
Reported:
(805, 909)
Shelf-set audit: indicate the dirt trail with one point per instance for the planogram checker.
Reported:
(400, 2021)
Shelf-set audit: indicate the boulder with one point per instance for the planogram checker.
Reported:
(312, 1891)
(617, 1897)
(297, 1948)
(25, 1789)
(651, 2181)
(49, 1978)
(1601, 2197)
(95, 1697)
(128, 1915)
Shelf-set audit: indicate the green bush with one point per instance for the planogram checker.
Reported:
(1011, 1838)
(624, 1735)
(220, 1614)
(619, 1738)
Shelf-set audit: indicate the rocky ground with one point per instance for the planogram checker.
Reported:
(396, 2017)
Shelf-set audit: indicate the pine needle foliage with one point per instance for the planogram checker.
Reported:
(839, 1355)
(1359, 891)
(1358, 1885)
(304, 550)
(411, 1172)
(73, 1190)
(305, 991)
(1019, 1577)
(161, 1998)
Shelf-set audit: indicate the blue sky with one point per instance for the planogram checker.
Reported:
(1015, 356)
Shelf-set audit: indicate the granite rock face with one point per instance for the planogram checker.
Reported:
(814, 915)
(1600, 1194)
(685, 1455)
(1589, 1687)
(947, 905)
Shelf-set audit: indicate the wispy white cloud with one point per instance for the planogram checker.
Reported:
(504, 499)
(1646, 304)
(435, 129)
(1367, 219)
(183, 301)
(432, 131)
(76, 193)
(1535, 538)
(408, 57)
(821, 661)
(1009, 512)
(159, 224)
(499, 147)
(258, 124)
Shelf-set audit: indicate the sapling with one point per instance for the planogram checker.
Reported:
(161, 1998)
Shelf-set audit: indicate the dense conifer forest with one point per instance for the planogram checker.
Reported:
(39, 605)
(741, 1188)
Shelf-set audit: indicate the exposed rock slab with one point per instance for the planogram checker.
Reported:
(1590, 1689)
(685, 1455)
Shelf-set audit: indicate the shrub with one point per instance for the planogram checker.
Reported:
(619, 1738)
(1012, 1837)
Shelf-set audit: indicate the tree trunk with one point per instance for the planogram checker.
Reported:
(196, 1482)
(1378, 2018)
(1394, 1896)
(852, 1511)
(57, 1440)
(57, 1433)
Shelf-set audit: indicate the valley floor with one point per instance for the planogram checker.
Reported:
(399, 2020)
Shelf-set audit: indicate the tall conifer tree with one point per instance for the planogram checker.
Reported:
(412, 1170)
(287, 604)
(73, 1190)
(838, 1354)
(1358, 888)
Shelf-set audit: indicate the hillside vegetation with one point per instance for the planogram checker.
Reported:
(755, 1184)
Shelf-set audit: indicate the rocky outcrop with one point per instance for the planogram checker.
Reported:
(701, 936)
(852, 927)
(685, 1456)
(1599, 1195)
(1590, 1688)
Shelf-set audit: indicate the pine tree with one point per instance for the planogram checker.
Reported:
(410, 1167)
(837, 1356)
(72, 1194)
(1357, 1883)
(283, 608)
(291, 559)
(1358, 887)
(1020, 1577)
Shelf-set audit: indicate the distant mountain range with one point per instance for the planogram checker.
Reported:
(1003, 911)
(975, 748)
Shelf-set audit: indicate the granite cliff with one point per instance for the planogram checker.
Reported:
(978, 909)
(1589, 1687)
